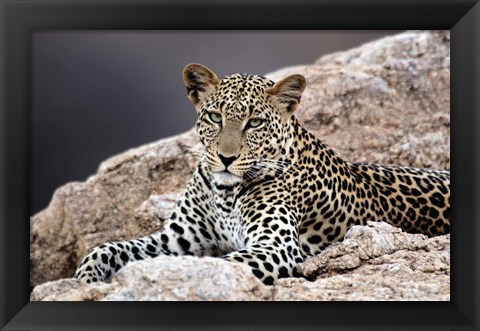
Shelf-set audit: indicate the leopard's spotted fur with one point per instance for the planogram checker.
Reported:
(267, 193)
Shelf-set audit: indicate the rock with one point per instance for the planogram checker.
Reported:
(70, 290)
(110, 205)
(152, 212)
(387, 101)
(375, 262)
(165, 278)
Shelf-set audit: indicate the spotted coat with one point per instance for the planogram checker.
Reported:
(267, 193)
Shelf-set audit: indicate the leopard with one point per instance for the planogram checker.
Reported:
(267, 193)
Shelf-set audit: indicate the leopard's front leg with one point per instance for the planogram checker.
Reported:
(107, 259)
(271, 245)
(187, 232)
(268, 262)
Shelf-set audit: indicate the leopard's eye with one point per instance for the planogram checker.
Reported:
(215, 117)
(254, 123)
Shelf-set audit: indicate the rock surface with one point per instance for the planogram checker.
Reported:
(374, 262)
(386, 102)
(111, 205)
(165, 279)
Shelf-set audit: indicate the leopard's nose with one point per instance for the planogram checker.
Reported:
(227, 160)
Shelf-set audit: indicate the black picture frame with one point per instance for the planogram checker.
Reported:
(18, 18)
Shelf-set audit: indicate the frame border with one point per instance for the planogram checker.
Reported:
(19, 17)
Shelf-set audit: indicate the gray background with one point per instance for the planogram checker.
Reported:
(98, 93)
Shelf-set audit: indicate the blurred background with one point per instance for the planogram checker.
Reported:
(98, 93)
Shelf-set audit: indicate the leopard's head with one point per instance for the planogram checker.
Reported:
(242, 119)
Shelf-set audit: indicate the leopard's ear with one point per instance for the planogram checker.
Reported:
(288, 92)
(199, 80)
